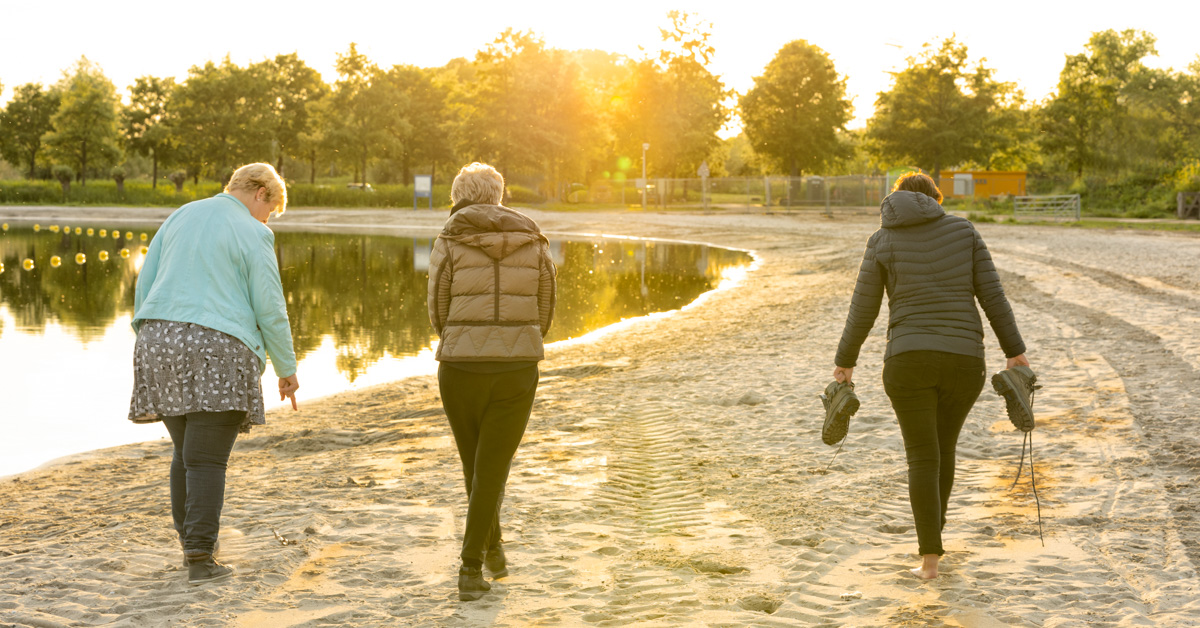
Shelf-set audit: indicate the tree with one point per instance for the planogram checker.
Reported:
(793, 113)
(145, 120)
(417, 117)
(674, 103)
(24, 122)
(351, 120)
(220, 118)
(939, 112)
(290, 86)
(1088, 122)
(85, 125)
(527, 111)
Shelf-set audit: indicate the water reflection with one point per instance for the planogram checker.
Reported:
(356, 303)
(365, 292)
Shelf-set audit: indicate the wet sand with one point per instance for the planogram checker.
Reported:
(673, 472)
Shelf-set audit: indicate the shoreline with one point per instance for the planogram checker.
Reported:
(673, 472)
(325, 227)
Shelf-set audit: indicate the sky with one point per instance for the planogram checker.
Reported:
(1024, 41)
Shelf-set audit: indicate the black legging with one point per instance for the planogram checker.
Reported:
(203, 442)
(488, 413)
(932, 392)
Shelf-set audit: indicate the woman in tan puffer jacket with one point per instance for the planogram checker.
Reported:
(491, 300)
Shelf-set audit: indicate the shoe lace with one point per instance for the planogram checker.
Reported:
(1028, 441)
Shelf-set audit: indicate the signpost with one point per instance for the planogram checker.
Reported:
(423, 188)
(645, 188)
(703, 172)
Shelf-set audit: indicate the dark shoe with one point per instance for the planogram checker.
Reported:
(216, 550)
(495, 562)
(203, 568)
(1016, 385)
(471, 585)
(840, 404)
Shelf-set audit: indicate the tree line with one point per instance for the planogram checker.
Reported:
(552, 117)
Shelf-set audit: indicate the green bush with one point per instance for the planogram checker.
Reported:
(140, 194)
(522, 194)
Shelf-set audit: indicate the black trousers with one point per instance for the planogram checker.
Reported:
(203, 441)
(932, 392)
(488, 413)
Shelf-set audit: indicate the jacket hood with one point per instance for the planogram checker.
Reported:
(494, 229)
(904, 209)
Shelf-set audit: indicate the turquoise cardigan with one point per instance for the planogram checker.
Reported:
(211, 263)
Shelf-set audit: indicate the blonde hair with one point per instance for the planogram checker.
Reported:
(479, 183)
(251, 177)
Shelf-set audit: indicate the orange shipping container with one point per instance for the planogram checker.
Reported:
(981, 183)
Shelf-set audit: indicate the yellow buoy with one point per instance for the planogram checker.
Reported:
(91, 232)
(78, 230)
(54, 228)
(125, 253)
(80, 258)
(55, 261)
(145, 249)
(27, 264)
(104, 233)
(143, 237)
(104, 256)
(37, 228)
(128, 235)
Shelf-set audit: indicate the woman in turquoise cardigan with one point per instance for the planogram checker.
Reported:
(208, 309)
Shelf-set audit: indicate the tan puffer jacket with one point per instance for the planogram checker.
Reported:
(491, 286)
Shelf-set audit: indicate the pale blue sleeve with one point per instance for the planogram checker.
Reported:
(270, 307)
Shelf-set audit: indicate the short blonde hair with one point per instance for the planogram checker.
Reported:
(479, 183)
(251, 177)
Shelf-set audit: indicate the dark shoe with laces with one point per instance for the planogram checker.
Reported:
(840, 404)
(203, 568)
(495, 561)
(1017, 386)
(471, 585)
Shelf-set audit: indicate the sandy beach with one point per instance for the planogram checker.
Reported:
(673, 472)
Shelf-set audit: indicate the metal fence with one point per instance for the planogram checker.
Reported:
(1064, 206)
(732, 192)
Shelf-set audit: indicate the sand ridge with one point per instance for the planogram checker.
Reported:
(673, 473)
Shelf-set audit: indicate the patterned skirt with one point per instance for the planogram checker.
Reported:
(183, 367)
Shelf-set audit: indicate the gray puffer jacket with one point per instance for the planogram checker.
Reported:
(933, 267)
(491, 286)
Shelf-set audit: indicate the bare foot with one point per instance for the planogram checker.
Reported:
(928, 569)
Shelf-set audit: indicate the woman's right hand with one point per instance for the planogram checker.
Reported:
(1019, 360)
(288, 387)
(843, 375)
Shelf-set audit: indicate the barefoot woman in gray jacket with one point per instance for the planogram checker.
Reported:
(933, 267)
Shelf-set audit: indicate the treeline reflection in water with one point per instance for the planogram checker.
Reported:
(365, 292)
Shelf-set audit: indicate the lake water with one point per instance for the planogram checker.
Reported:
(356, 304)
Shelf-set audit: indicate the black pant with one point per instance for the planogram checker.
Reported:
(932, 392)
(488, 413)
(203, 441)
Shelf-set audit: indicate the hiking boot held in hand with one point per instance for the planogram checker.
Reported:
(495, 561)
(203, 568)
(471, 585)
(840, 404)
(1016, 385)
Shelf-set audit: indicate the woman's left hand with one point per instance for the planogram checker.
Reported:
(288, 387)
